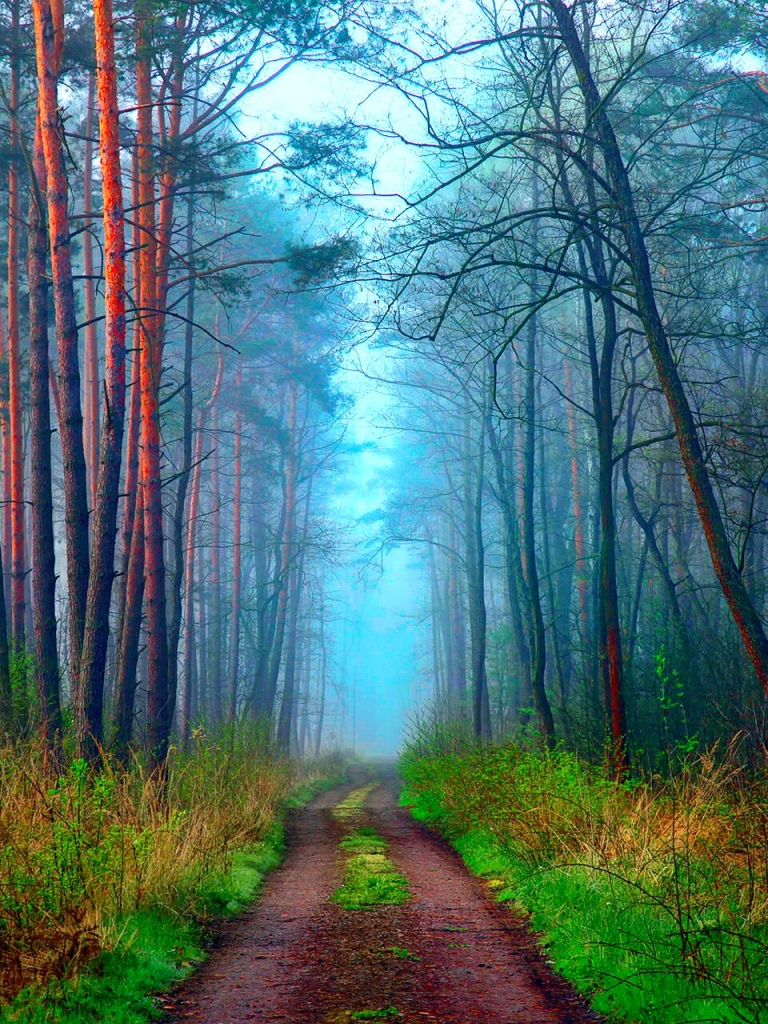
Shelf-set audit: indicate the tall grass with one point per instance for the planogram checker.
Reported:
(652, 896)
(84, 852)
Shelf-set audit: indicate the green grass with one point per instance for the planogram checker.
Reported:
(400, 953)
(652, 926)
(351, 807)
(370, 878)
(388, 1013)
(155, 947)
(155, 951)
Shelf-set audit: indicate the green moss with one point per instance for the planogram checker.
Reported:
(351, 807)
(370, 878)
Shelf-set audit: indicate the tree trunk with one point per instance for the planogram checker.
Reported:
(131, 485)
(127, 657)
(513, 564)
(43, 552)
(237, 550)
(194, 506)
(536, 617)
(89, 710)
(579, 541)
(179, 554)
(323, 680)
(5, 427)
(158, 697)
(49, 42)
(475, 571)
(215, 643)
(288, 705)
(16, 508)
(285, 557)
(91, 397)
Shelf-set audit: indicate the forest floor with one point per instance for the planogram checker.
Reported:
(447, 955)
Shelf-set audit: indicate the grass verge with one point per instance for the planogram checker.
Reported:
(107, 893)
(651, 899)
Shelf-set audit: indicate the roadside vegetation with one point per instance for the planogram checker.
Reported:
(650, 895)
(108, 883)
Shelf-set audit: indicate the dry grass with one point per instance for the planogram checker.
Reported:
(709, 820)
(81, 851)
(653, 895)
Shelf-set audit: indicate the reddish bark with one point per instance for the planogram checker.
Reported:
(49, 41)
(158, 707)
(169, 131)
(127, 657)
(89, 710)
(134, 413)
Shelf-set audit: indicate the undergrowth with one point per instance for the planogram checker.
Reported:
(107, 884)
(651, 897)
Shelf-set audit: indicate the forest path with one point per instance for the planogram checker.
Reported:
(450, 955)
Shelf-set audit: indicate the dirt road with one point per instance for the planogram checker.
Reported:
(450, 955)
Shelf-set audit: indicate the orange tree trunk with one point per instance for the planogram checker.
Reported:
(158, 706)
(127, 655)
(90, 709)
(169, 132)
(14, 351)
(49, 40)
(43, 552)
(130, 488)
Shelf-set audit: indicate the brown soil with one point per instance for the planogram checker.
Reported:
(297, 958)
